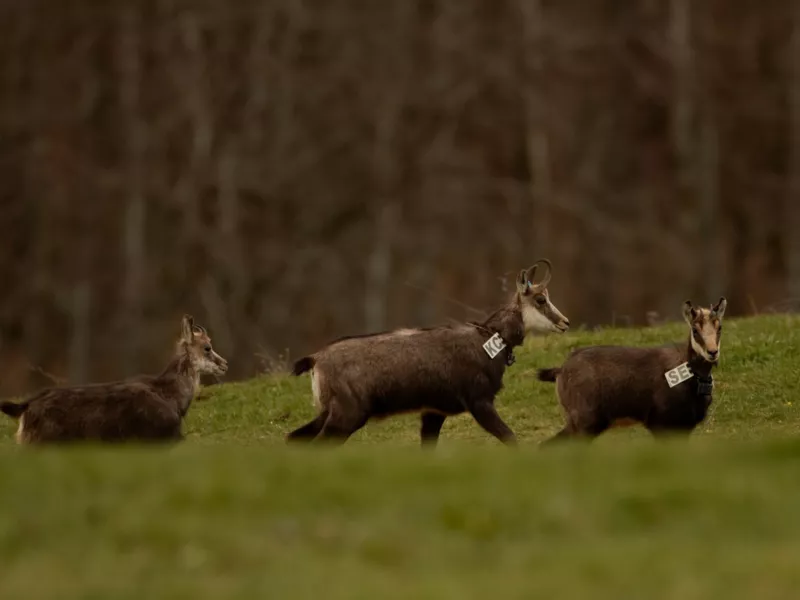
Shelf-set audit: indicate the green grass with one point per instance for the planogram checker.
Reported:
(234, 513)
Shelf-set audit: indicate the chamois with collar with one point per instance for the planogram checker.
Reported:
(601, 387)
(146, 408)
(437, 372)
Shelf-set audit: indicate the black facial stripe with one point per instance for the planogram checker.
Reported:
(551, 314)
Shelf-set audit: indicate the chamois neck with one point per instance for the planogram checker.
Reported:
(181, 381)
(507, 321)
(699, 365)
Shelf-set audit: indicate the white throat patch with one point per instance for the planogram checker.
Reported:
(533, 320)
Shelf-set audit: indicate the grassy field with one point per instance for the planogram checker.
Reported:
(234, 513)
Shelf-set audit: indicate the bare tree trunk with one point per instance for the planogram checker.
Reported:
(130, 66)
(79, 308)
(387, 157)
(229, 260)
(386, 216)
(439, 35)
(792, 202)
(683, 114)
(536, 139)
(271, 99)
(645, 243)
(708, 225)
(192, 73)
(598, 269)
(224, 290)
(698, 160)
(33, 54)
(682, 99)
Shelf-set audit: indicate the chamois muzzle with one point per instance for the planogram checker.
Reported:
(221, 364)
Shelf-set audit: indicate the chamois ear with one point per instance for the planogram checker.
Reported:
(522, 282)
(689, 313)
(187, 326)
(719, 309)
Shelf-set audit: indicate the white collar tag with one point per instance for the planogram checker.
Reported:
(494, 345)
(678, 375)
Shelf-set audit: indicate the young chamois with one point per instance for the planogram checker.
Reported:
(144, 408)
(438, 372)
(666, 389)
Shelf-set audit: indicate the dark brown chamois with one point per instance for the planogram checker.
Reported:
(438, 371)
(144, 408)
(668, 389)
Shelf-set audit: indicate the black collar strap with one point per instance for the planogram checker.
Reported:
(510, 358)
(705, 384)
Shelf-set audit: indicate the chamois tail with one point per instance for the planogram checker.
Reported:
(548, 374)
(304, 364)
(12, 409)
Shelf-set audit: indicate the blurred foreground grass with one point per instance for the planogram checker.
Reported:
(233, 512)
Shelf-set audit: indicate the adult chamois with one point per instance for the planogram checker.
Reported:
(438, 372)
(144, 408)
(667, 389)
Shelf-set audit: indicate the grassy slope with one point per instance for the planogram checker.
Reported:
(234, 513)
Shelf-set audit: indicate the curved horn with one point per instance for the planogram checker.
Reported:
(543, 283)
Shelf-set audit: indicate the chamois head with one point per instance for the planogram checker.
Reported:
(538, 312)
(196, 344)
(706, 328)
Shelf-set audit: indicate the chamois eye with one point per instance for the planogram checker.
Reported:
(540, 300)
(207, 349)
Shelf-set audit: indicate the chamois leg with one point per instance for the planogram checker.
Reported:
(174, 432)
(20, 436)
(176, 436)
(565, 434)
(166, 431)
(340, 425)
(486, 415)
(431, 426)
(666, 433)
(587, 430)
(310, 430)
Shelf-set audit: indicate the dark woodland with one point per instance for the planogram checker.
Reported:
(290, 171)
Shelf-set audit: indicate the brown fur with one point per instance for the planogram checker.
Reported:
(602, 387)
(438, 372)
(144, 408)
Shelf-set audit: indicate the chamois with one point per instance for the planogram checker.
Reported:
(146, 408)
(667, 389)
(438, 371)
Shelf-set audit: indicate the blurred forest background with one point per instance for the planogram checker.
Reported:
(289, 171)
